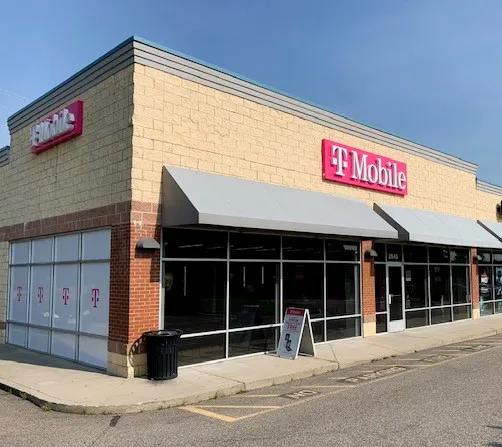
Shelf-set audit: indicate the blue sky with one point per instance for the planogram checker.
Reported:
(426, 70)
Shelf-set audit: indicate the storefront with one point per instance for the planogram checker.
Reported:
(151, 190)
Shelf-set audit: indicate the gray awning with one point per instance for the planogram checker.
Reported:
(435, 228)
(193, 197)
(494, 228)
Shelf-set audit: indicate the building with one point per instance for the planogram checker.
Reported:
(152, 190)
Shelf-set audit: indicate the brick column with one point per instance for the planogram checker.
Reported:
(474, 284)
(368, 291)
(134, 291)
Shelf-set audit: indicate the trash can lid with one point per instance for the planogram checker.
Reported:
(164, 333)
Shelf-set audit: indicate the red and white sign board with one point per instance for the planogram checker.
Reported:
(296, 334)
(60, 126)
(351, 166)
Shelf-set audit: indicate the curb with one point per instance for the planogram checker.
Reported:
(241, 387)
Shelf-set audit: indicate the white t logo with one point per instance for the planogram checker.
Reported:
(339, 159)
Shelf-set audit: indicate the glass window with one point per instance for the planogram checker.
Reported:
(415, 253)
(486, 308)
(194, 296)
(342, 289)
(254, 293)
(254, 246)
(381, 323)
(415, 286)
(380, 288)
(459, 255)
(441, 315)
(394, 253)
(497, 257)
(440, 285)
(380, 249)
(439, 255)
(302, 248)
(343, 328)
(342, 250)
(180, 243)
(497, 278)
(485, 283)
(460, 284)
(318, 331)
(303, 286)
(486, 257)
(498, 307)
(461, 313)
(256, 340)
(417, 318)
(201, 349)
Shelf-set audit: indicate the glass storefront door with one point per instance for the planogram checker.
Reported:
(395, 297)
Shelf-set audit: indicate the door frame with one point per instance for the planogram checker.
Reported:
(395, 325)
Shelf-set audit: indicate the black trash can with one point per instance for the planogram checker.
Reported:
(162, 354)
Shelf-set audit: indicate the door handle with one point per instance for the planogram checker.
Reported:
(390, 299)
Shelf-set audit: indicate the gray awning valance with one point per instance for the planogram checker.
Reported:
(494, 228)
(193, 197)
(436, 228)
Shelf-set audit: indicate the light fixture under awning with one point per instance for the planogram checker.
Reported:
(193, 197)
(436, 228)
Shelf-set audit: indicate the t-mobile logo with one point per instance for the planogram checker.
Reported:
(339, 159)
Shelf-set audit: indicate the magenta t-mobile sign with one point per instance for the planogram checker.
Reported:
(345, 164)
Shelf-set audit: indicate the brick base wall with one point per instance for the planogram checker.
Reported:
(134, 274)
(368, 291)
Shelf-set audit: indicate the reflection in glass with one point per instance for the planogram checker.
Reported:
(318, 331)
(251, 341)
(486, 308)
(440, 285)
(194, 296)
(380, 288)
(179, 243)
(201, 349)
(439, 255)
(441, 315)
(343, 328)
(460, 284)
(380, 249)
(497, 257)
(342, 294)
(417, 318)
(254, 246)
(342, 250)
(381, 323)
(459, 255)
(485, 284)
(486, 257)
(303, 286)
(302, 248)
(498, 307)
(497, 278)
(415, 285)
(254, 294)
(461, 313)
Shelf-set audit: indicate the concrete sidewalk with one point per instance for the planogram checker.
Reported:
(65, 386)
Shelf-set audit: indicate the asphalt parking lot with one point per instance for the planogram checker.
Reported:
(448, 396)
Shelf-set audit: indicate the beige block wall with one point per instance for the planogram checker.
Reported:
(86, 172)
(182, 123)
